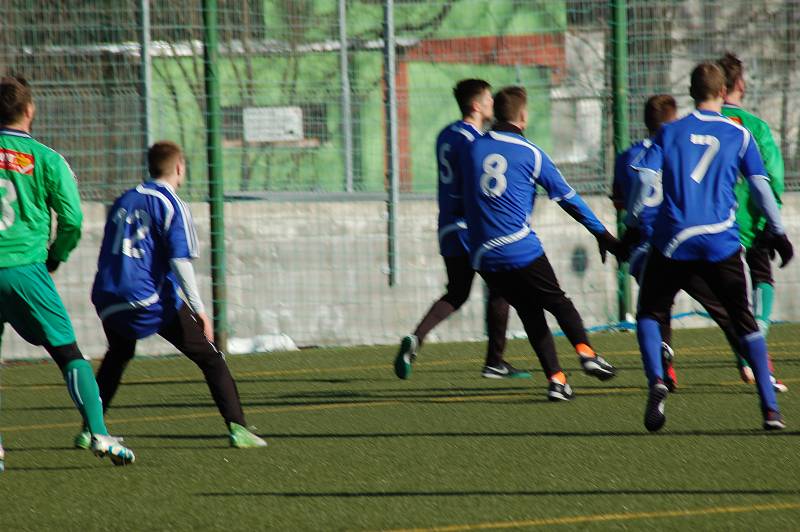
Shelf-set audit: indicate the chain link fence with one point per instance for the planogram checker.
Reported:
(310, 244)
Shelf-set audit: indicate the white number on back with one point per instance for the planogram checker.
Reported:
(127, 245)
(8, 215)
(493, 179)
(446, 173)
(712, 142)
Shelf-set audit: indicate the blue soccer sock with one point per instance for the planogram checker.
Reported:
(755, 350)
(649, 334)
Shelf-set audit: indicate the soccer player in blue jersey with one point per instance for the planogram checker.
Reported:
(501, 173)
(146, 256)
(474, 99)
(698, 160)
(658, 110)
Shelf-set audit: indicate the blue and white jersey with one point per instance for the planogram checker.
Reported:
(147, 226)
(627, 189)
(698, 160)
(450, 144)
(501, 173)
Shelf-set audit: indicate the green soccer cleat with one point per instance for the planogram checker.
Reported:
(83, 440)
(241, 438)
(406, 356)
(103, 445)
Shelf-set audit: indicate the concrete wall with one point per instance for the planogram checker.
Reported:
(317, 272)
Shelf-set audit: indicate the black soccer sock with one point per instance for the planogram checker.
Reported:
(496, 324)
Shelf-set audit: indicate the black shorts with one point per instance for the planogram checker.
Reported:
(459, 279)
(728, 281)
(760, 266)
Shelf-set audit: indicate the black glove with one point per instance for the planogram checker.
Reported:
(607, 242)
(776, 243)
(52, 265)
(631, 238)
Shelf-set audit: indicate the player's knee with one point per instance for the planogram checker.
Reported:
(64, 354)
(207, 358)
(457, 299)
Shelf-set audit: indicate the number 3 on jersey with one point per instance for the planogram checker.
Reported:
(9, 216)
(139, 220)
(712, 142)
(493, 179)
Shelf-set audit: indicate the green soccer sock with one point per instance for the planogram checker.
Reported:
(764, 296)
(82, 387)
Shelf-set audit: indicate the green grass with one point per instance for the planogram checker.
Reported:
(353, 448)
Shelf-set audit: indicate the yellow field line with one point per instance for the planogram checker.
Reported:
(600, 518)
(276, 409)
(384, 366)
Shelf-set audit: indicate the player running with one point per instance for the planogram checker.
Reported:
(34, 180)
(501, 173)
(698, 159)
(749, 219)
(474, 99)
(146, 255)
(661, 109)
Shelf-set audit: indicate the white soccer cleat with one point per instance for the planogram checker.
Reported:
(746, 374)
(2, 457)
(778, 385)
(103, 445)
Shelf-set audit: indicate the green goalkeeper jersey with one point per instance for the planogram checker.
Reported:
(748, 215)
(34, 180)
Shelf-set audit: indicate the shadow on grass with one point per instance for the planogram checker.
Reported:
(499, 493)
(10, 468)
(486, 434)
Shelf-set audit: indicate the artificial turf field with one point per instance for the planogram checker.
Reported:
(353, 448)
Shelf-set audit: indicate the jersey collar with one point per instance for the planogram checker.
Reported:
(726, 104)
(163, 184)
(707, 112)
(14, 132)
(472, 128)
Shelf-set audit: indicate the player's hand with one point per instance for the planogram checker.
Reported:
(629, 240)
(208, 326)
(779, 244)
(607, 242)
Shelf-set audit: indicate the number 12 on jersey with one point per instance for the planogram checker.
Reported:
(127, 245)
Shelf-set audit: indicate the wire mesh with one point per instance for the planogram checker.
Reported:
(306, 230)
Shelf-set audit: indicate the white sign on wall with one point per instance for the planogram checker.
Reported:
(272, 124)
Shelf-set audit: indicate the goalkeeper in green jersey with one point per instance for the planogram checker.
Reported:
(35, 180)
(748, 216)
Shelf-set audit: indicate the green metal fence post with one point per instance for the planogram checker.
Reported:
(619, 54)
(392, 150)
(214, 161)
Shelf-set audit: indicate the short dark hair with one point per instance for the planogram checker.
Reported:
(161, 156)
(509, 102)
(708, 81)
(733, 68)
(659, 109)
(467, 91)
(15, 96)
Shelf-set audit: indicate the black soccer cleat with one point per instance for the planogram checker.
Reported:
(559, 392)
(654, 417)
(597, 367)
(773, 421)
(504, 370)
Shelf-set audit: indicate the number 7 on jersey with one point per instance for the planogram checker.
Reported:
(712, 144)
